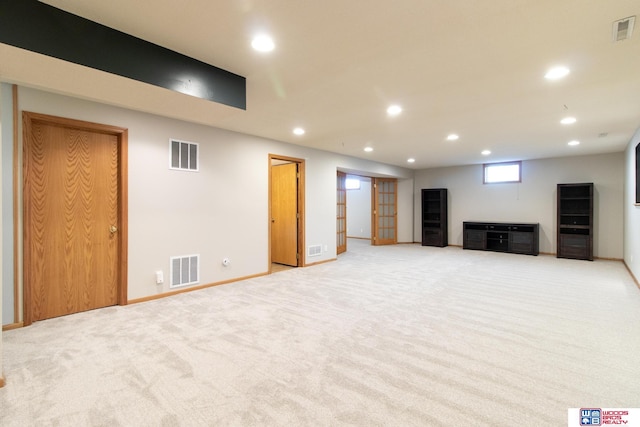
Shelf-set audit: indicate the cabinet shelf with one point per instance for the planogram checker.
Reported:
(434, 217)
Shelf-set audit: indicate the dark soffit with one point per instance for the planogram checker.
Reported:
(38, 27)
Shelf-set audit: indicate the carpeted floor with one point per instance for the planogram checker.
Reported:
(386, 336)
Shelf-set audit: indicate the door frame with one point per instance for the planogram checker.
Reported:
(121, 134)
(301, 205)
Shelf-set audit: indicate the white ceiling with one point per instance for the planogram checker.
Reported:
(470, 67)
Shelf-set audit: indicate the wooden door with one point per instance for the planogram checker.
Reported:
(73, 228)
(284, 214)
(341, 212)
(384, 217)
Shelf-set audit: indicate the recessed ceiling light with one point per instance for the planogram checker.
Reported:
(486, 152)
(263, 43)
(411, 160)
(298, 131)
(394, 110)
(568, 120)
(452, 137)
(368, 149)
(556, 73)
(573, 143)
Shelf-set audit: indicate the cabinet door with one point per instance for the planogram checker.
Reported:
(574, 246)
(431, 237)
(474, 239)
(521, 242)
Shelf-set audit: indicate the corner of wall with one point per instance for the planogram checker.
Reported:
(633, 276)
(2, 382)
(631, 211)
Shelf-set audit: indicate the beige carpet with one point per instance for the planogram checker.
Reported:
(394, 336)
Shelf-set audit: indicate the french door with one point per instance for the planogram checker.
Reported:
(384, 211)
(341, 218)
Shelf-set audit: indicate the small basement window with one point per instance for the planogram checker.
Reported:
(502, 172)
(352, 184)
(184, 155)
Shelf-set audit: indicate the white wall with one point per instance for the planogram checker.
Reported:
(631, 210)
(6, 136)
(359, 210)
(221, 211)
(2, 89)
(534, 199)
(405, 210)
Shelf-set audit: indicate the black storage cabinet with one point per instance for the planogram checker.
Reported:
(435, 230)
(575, 221)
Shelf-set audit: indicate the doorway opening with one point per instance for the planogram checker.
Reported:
(371, 204)
(286, 213)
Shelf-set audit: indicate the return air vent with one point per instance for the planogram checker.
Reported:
(183, 155)
(185, 270)
(623, 28)
(315, 250)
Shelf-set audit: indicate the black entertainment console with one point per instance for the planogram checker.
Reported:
(520, 238)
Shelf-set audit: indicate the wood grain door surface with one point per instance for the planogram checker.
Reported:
(71, 219)
(284, 214)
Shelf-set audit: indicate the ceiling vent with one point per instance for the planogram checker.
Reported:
(623, 28)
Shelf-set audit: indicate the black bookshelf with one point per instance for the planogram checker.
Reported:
(435, 230)
(575, 221)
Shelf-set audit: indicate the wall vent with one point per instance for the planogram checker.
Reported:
(183, 155)
(623, 28)
(185, 270)
(315, 250)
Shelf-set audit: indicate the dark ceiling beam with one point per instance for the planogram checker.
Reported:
(38, 27)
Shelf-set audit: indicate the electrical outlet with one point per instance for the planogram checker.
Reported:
(159, 277)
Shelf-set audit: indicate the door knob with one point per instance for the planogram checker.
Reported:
(113, 229)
